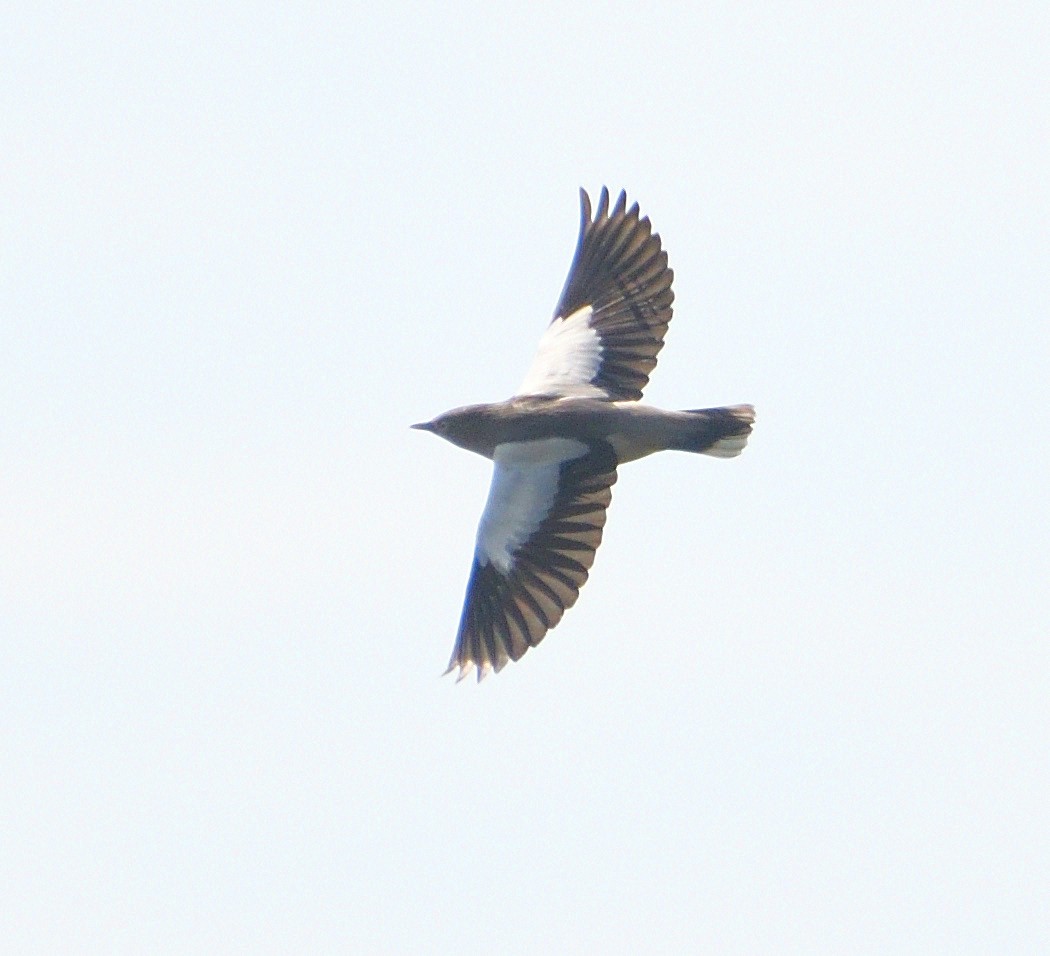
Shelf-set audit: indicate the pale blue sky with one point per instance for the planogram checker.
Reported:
(802, 704)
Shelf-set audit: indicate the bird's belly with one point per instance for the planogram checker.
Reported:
(630, 447)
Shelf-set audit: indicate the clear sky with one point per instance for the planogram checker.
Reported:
(802, 703)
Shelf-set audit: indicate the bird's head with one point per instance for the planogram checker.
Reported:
(439, 425)
(465, 427)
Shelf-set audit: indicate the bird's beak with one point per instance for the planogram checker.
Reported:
(424, 426)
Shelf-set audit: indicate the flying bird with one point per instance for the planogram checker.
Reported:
(556, 443)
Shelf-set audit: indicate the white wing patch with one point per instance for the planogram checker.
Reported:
(524, 485)
(569, 356)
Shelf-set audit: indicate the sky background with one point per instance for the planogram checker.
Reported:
(803, 704)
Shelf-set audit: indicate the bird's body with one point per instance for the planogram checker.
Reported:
(633, 430)
(557, 443)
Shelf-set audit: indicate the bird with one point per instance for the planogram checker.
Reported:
(557, 443)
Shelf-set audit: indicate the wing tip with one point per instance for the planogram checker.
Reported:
(465, 664)
(603, 204)
(619, 209)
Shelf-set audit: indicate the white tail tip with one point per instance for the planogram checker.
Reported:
(733, 445)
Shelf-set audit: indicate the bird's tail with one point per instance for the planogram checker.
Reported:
(719, 432)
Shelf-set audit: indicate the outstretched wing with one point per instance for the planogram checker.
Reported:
(610, 322)
(541, 526)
